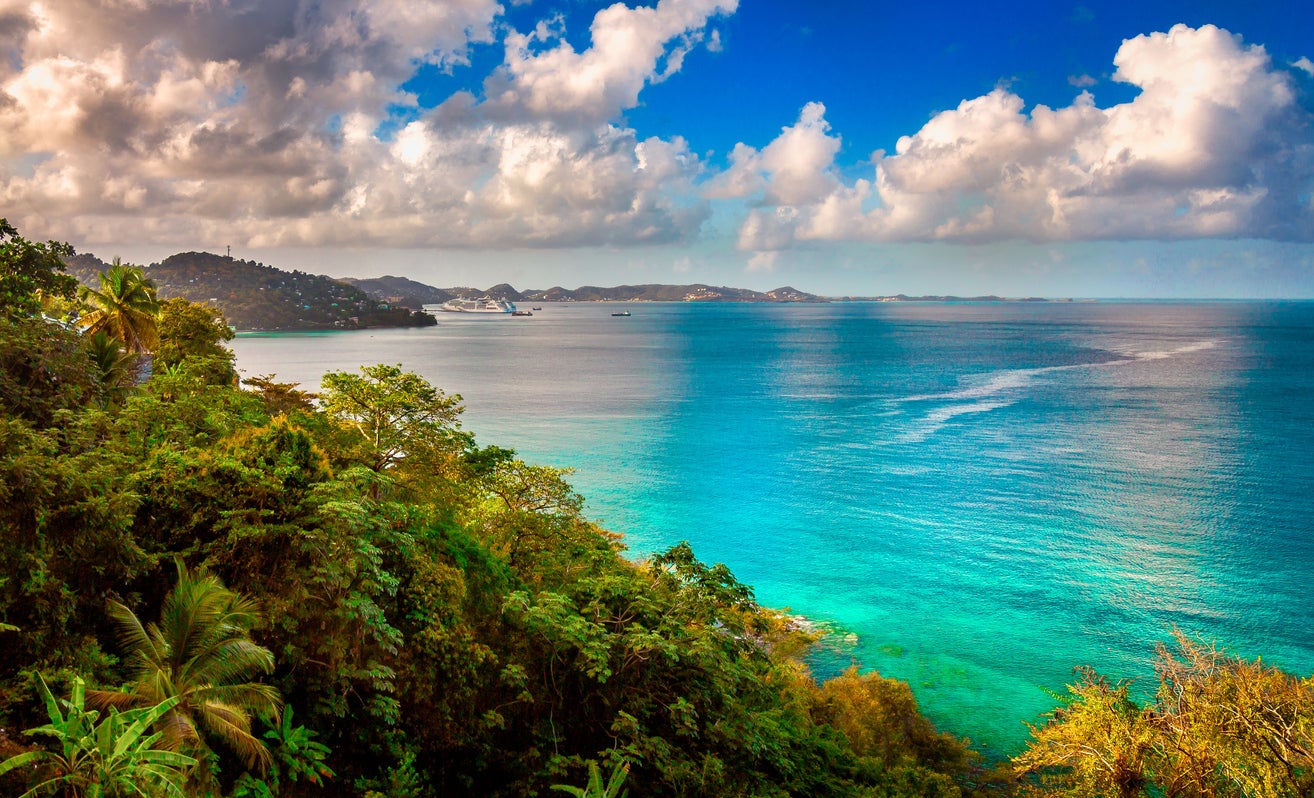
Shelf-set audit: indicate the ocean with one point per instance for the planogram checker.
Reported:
(973, 497)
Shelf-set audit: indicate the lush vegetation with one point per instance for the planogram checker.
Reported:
(1218, 725)
(254, 296)
(250, 591)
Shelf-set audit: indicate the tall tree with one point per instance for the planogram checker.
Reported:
(393, 413)
(197, 331)
(200, 652)
(30, 269)
(125, 306)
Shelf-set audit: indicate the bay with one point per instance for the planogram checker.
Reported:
(975, 497)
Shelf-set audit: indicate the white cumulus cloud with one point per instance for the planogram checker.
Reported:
(1214, 144)
(271, 123)
(284, 123)
(795, 168)
(631, 47)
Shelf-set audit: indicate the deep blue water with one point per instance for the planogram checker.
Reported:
(977, 496)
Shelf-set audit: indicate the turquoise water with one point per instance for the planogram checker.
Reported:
(978, 496)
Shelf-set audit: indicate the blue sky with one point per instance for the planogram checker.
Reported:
(845, 148)
(882, 69)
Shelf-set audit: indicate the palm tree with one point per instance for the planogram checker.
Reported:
(200, 652)
(115, 368)
(125, 307)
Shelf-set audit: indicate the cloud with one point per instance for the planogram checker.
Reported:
(270, 122)
(1304, 64)
(1215, 145)
(631, 47)
(762, 262)
(796, 168)
(285, 123)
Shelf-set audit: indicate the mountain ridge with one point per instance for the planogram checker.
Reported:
(404, 290)
(258, 297)
(414, 294)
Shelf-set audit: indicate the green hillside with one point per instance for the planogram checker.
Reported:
(253, 296)
(400, 291)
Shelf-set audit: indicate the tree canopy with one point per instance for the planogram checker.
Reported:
(392, 412)
(1219, 725)
(30, 270)
(443, 617)
(190, 329)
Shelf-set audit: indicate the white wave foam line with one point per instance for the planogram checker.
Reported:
(935, 420)
(995, 384)
(1198, 346)
(1012, 380)
(1021, 378)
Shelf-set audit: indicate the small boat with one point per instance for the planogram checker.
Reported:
(622, 313)
(536, 308)
(521, 313)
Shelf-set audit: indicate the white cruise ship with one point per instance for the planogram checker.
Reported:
(480, 305)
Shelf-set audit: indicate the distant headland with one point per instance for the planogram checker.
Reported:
(254, 296)
(410, 293)
(258, 297)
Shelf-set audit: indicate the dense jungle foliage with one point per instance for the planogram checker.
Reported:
(213, 587)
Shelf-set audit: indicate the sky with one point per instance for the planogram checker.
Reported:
(844, 147)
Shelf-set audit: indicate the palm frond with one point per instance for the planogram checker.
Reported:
(178, 730)
(116, 699)
(237, 659)
(234, 727)
(253, 696)
(164, 778)
(132, 635)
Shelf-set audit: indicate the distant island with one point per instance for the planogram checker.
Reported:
(258, 297)
(412, 294)
(945, 298)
